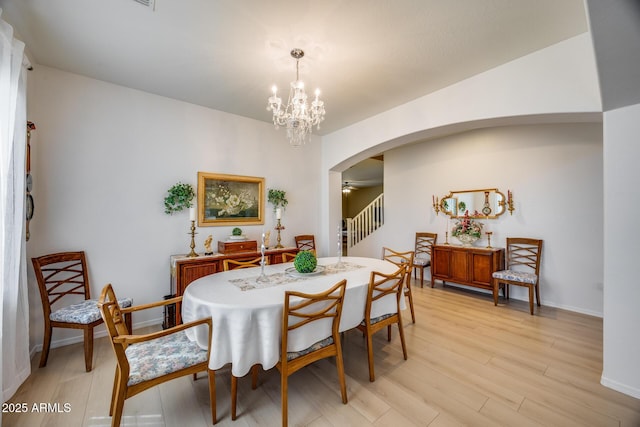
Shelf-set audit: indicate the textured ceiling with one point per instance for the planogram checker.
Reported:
(366, 56)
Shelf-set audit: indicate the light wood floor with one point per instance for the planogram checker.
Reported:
(470, 363)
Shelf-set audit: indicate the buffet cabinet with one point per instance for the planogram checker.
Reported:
(471, 266)
(185, 270)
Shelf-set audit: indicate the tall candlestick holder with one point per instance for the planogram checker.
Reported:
(339, 265)
(489, 233)
(446, 237)
(263, 278)
(193, 233)
(279, 227)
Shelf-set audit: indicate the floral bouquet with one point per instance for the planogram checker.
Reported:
(467, 226)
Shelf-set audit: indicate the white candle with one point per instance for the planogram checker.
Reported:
(278, 213)
(192, 214)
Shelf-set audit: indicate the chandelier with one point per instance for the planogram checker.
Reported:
(296, 116)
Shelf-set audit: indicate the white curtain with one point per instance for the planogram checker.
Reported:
(14, 309)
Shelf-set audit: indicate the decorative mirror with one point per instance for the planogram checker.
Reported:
(486, 203)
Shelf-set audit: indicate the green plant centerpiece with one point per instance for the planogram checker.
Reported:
(179, 198)
(305, 262)
(278, 198)
(236, 232)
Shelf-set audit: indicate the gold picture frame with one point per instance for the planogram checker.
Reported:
(230, 200)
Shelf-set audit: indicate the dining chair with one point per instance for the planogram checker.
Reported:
(522, 269)
(304, 314)
(306, 242)
(422, 256)
(232, 264)
(63, 281)
(144, 361)
(383, 286)
(288, 256)
(402, 259)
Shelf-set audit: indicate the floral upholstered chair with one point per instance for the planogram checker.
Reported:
(383, 286)
(63, 280)
(403, 259)
(422, 255)
(523, 269)
(144, 361)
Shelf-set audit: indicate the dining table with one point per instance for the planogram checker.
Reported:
(246, 307)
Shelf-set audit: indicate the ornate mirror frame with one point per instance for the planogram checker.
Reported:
(487, 203)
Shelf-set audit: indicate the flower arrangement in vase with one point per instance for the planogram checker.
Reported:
(467, 230)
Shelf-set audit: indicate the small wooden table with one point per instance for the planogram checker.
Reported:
(466, 265)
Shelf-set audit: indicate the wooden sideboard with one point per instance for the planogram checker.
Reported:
(185, 270)
(471, 266)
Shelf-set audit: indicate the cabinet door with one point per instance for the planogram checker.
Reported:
(440, 262)
(189, 273)
(459, 266)
(481, 268)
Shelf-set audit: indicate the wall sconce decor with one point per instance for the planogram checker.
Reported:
(488, 203)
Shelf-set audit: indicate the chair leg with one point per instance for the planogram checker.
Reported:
(389, 333)
(114, 392)
(496, 291)
(46, 344)
(212, 394)
(410, 295)
(88, 348)
(234, 395)
(372, 376)
(538, 294)
(254, 377)
(116, 418)
(284, 392)
(422, 277)
(531, 299)
(404, 345)
(341, 379)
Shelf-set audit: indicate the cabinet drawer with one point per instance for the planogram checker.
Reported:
(236, 247)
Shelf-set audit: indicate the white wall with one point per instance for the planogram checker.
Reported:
(622, 294)
(103, 159)
(555, 173)
(554, 85)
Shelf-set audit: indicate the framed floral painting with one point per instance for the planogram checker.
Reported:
(230, 199)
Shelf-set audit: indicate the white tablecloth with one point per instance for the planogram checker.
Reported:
(247, 324)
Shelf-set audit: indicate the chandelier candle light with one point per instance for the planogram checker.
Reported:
(296, 116)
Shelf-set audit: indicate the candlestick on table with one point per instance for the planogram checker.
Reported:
(339, 265)
(263, 278)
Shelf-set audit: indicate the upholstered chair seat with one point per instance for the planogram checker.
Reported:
(169, 354)
(516, 276)
(291, 355)
(84, 312)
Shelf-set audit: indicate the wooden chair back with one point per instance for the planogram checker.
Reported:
(306, 242)
(403, 259)
(523, 251)
(232, 264)
(59, 276)
(288, 256)
(301, 310)
(424, 242)
(383, 286)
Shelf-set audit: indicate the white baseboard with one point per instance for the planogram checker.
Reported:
(97, 334)
(622, 388)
